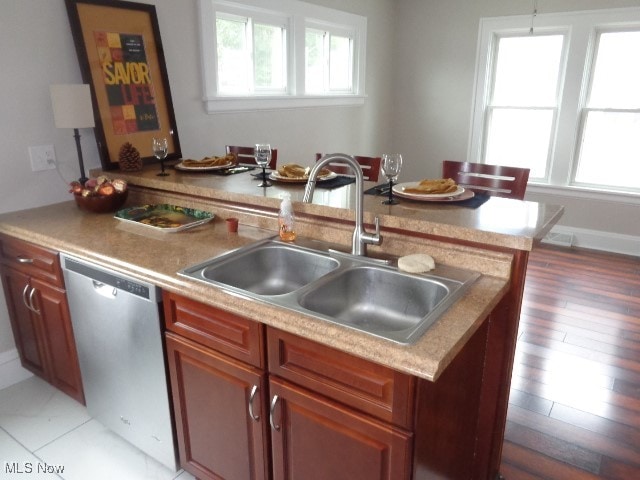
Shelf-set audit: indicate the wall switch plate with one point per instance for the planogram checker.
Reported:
(43, 157)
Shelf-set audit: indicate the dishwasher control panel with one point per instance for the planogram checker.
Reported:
(132, 287)
(118, 281)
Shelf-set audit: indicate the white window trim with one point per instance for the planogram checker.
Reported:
(299, 13)
(582, 35)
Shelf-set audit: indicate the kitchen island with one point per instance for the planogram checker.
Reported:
(466, 356)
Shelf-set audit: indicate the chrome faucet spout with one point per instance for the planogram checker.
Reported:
(361, 238)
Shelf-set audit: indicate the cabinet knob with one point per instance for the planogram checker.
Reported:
(274, 402)
(252, 395)
(24, 260)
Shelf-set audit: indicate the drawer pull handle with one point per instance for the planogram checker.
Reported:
(32, 307)
(28, 302)
(252, 395)
(24, 260)
(24, 296)
(274, 401)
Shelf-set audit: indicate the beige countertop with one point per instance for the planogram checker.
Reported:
(499, 222)
(157, 257)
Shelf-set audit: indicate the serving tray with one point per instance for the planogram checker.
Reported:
(164, 217)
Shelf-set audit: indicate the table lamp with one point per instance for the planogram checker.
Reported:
(72, 109)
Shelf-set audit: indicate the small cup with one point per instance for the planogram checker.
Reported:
(232, 225)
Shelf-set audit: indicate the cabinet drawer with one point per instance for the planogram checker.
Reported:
(238, 337)
(31, 259)
(371, 388)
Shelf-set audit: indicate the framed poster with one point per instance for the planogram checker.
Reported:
(121, 57)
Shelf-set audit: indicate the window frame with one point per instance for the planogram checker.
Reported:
(581, 29)
(297, 14)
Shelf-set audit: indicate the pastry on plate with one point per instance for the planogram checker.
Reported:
(433, 186)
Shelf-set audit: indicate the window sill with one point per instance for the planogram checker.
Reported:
(248, 104)
(586, 193)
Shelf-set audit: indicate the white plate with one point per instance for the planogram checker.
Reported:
(399, 189)
(181, 166)
(275, 176)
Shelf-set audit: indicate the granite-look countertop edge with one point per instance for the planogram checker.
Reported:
(409, 216)
(156, 257)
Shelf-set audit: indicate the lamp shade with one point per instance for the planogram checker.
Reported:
(72, 106)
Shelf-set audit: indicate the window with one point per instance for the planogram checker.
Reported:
(611, 118)
(562, 100)
(523, 107)
(251, 56)
(280, 54)
(328, 62)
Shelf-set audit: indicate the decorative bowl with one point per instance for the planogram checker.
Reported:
(101, 203)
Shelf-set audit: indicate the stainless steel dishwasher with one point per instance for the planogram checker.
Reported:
(118, 333)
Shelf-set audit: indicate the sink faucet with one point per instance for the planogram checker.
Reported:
(361, 238)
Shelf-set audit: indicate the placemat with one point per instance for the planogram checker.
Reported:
(234, 170)
(339, 181)
(474, 202)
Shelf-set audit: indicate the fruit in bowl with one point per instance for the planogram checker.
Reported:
(100, 194)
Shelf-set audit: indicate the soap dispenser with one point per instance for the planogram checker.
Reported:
(286, 220)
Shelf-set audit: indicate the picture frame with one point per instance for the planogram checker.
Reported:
(121, 58)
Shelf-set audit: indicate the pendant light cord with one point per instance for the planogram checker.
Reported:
(533, 15)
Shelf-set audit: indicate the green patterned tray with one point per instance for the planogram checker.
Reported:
(164, 217)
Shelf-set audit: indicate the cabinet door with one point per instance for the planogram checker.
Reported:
(221, 426)
(26, 327)
(62, 360)
(315, 439)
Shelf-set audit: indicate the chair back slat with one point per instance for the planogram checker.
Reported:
(246, 155)
(496, 180)
(370, 166)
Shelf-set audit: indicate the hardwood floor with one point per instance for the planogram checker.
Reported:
(574, 408)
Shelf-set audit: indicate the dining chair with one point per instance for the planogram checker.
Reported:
(246, 155)
(496, 180)
(370, 166)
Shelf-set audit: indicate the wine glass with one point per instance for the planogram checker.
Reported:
(263, 157)
(391, 165)
(160, 150)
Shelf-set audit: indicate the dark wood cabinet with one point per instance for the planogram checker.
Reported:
(221, 420)
(27, 329)
(336, 421)
(39, 314)
(274, 405)
(317, 439)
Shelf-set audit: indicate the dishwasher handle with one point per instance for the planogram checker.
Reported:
(105, 290)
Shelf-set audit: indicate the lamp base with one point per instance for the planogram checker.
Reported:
(83, 178)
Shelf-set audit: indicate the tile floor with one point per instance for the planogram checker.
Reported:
(44, 434)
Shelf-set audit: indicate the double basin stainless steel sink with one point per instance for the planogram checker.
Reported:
(353, 291)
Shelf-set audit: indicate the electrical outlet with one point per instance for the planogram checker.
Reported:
(43, 157)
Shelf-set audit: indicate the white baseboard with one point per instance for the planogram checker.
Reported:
(595, 239)
(10, 369)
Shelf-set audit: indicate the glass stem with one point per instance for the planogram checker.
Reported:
(390, 191)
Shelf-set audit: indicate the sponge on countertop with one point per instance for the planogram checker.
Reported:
(416, 263)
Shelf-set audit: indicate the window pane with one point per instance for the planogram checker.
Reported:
(340, 63)
(616, 76)
(233, 67)
(527, 71)
(269, 57)
(609, 153)
(520, 138)
(314, 58)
